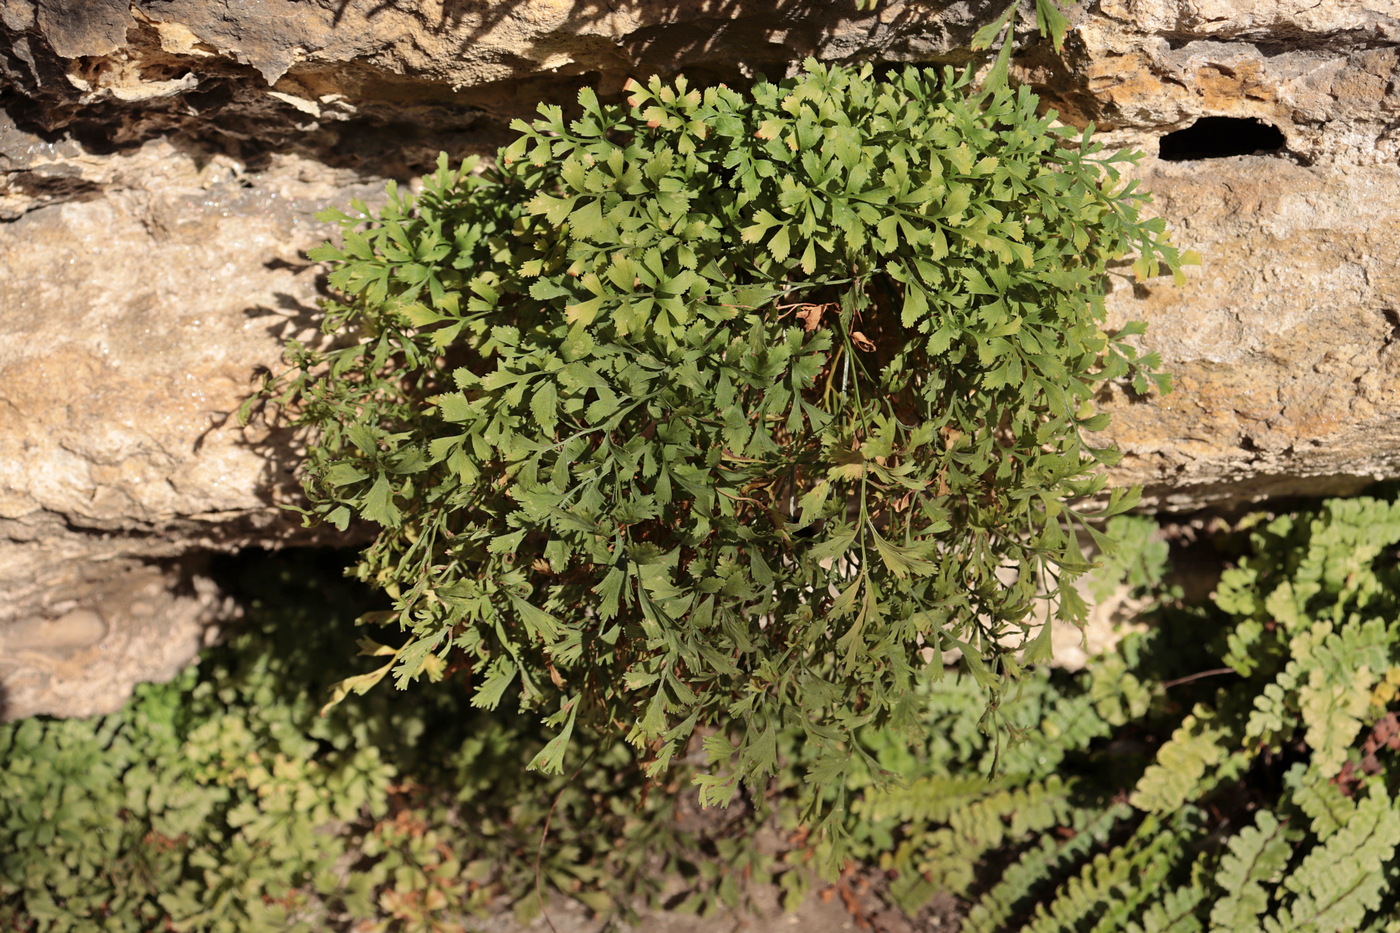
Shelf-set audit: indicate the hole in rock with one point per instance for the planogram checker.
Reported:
(1219, 137)
(1392, 317)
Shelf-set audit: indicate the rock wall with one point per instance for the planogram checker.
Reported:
(1282, 340)
(161, 162)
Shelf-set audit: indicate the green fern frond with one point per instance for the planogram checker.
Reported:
(1325, 688)
(1107, 892)
(987, 823)
(1333, 715)
(931, 799)
(1275, 712)
(1342, 879)
(1038, 867)
(948, 856)
(1320, 799)
(1382, 925)
(1071, 726)
(1185, 765)
(1179, 911)
(1257, 858)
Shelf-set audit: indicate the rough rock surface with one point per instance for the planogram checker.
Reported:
(1283, 342)
(132, 324)
(161, 160)
(95, 626)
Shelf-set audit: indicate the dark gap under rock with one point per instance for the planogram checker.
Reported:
(1220, 137)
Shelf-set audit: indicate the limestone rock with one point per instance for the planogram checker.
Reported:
(133, 322)
(92, 629)
(1283, 342)
(161, 162)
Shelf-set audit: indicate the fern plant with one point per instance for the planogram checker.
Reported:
(1272, 802)
(719, 409)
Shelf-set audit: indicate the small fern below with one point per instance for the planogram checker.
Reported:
(1263, 798)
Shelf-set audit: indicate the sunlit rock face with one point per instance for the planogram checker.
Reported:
(161, 163)
(1272, 149)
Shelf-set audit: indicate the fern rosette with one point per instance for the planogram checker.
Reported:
(725, 410)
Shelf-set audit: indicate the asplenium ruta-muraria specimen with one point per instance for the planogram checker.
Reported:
(720, 409)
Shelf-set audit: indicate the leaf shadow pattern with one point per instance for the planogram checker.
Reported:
(710, 40)
(267, 430)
